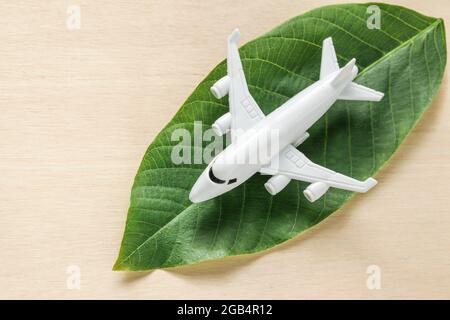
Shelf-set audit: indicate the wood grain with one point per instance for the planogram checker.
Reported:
(79, 108)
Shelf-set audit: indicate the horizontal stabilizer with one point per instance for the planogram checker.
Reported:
(356, 91)
(329, 62)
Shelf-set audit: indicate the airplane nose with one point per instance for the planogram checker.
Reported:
(204, 189)
(201, 190)
(194, 195)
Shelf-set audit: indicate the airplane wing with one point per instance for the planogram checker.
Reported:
(245, 112)
(295, 165)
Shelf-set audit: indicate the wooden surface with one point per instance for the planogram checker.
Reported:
(78, 109)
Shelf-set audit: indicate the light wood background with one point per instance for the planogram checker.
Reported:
(79, 108)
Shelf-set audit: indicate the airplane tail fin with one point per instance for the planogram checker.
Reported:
(353, 91)
(347, 73)
(329, 65)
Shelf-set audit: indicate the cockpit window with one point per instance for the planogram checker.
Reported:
(232, 181)
(214, 178)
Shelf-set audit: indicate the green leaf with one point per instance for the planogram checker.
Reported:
(405, 59)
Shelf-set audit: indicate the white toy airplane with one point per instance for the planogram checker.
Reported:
(248, 125)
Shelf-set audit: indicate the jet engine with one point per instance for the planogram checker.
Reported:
(222, 125)
(221, 87)
(315, 190)
(276, 184)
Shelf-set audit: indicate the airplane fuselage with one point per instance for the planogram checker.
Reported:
(245, 156)
(280, 128)
(267, 143)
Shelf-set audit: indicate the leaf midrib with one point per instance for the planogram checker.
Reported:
(398, 48)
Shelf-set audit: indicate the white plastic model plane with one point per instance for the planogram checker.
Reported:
(248, 125)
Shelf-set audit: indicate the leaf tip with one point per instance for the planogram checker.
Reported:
(118, 266)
